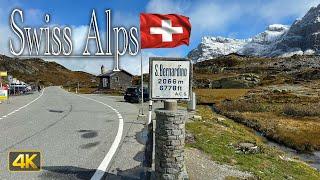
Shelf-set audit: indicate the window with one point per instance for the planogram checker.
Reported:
(116, 79)
(104, 82)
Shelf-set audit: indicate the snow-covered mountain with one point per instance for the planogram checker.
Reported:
(302, 37)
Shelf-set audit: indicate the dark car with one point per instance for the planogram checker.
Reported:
(133, 94)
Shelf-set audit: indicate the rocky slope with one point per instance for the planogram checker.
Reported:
(234, 71)
(302, 38)
(48, 73)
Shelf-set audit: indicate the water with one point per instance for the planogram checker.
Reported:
(313, 159)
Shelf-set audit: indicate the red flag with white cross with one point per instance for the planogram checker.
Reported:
(164, 30)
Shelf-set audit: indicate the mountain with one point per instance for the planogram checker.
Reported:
(302, 38)
(48, 73)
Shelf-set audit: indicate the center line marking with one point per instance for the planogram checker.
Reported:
(101, 170)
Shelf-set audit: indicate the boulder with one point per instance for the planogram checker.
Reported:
(248, 148)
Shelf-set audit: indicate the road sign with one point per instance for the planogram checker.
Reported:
(3, 73)
(3, 94)
(170, 78)
(10, 79)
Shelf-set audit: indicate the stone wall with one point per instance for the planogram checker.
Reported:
(169, 145)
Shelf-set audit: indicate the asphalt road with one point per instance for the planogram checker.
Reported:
(80, 137)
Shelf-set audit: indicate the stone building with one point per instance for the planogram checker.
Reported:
(119, 80)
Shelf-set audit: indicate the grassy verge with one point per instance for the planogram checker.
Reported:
(217, 138)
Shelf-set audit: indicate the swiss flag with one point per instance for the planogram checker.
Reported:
(164, 30)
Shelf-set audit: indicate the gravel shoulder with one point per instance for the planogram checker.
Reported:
(199, 166)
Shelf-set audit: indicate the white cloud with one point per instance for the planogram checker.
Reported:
(210, 16)
(4, 44)
(91, 65)
(276, 10)
(204, 15)
(168, 6)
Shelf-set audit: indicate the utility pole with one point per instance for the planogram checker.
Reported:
(141, 85)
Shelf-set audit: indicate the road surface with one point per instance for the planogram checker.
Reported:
(79, 136)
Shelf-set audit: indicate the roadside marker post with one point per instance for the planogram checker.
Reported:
(150, 112)
(192, 103)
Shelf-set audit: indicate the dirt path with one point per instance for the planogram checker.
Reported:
(199, 166)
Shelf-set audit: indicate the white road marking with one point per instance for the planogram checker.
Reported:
(4, 116)
(107, 159)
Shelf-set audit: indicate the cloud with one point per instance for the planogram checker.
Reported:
(91, 65)
(211, 16)
(204, 15)
(168, 6)
(277, 10)
(4, 44)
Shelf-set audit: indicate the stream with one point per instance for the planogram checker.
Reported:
(313, 159)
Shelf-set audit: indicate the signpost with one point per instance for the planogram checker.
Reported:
(170, 79)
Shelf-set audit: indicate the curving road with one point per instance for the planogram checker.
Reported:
(80, 137)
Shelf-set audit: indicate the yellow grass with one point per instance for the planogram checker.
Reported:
(209, 96)
(302, 134)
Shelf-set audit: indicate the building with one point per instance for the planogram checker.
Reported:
(119, 80)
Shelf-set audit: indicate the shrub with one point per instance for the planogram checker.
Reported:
(243, 106)
(300, 110)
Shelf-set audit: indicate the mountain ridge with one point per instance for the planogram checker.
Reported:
(301, 38)
(48, 73)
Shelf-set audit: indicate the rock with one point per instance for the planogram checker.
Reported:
(220, 119)
(284, 90)
(190, 139)
(248, 148)
(276, 91)
(196, 118)
(303, 33)
(233, 162)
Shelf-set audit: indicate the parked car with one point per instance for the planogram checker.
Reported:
(19, 89)
(133, 94)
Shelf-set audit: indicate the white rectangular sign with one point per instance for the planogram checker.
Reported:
(170, 78)
(3, 94)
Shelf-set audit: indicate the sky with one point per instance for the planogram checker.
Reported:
(227, 18)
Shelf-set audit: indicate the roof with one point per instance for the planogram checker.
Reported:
(111, 73)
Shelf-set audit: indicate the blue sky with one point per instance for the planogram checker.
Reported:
(228, 18)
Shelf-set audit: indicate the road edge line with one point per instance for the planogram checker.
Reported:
(16, 110)
(101, 170)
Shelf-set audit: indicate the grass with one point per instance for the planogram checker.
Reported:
(210, 96)
(299, 133)
(301, 110)
(294, 122)
(217, 138)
